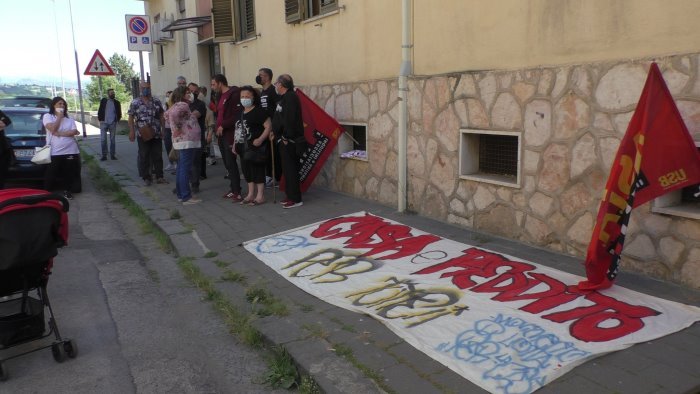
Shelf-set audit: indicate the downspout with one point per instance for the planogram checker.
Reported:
(404, 72)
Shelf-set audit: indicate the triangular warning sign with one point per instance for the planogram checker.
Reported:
(98, 65)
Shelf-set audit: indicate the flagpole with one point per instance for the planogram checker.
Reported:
(77, 71)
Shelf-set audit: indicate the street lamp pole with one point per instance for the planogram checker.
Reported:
(77, 71)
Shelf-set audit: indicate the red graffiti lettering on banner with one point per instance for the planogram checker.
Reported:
(373, 233)
(511, 280)
(475, 262)
(588, 320)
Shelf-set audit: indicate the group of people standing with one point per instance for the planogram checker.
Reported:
(258, 128)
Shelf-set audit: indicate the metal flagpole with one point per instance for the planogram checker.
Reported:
(77, 71)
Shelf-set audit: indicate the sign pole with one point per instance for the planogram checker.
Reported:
(99, 79)
(143, 76)
(77, 71)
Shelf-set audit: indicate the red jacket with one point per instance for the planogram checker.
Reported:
(228, 112)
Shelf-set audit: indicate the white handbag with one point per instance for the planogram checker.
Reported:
(42, 155)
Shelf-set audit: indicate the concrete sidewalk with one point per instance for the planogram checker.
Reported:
(666, 365)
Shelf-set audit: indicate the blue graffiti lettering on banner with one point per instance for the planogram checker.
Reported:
(282, 243)
(511, 351)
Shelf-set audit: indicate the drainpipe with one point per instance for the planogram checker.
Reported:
(404, 72)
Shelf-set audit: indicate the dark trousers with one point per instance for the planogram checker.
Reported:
(196, 166)
(4, 166)
(150, 156)
(290, 168)
(234, 176)
(65, 166)
(168, 141)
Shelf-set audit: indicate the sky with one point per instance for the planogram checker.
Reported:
(31, 47)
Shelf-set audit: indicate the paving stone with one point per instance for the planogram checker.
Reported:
(279, 330)
(573, 384)
(172, 226)
(417, 359)
(402, 379)
(450, 382)
(670, 379)
(331, 372)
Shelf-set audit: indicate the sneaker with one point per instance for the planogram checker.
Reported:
(228, 195)
(237, 198)
(68, 195)
(147, 181)
(169, 167)
(285, 201)
(161, 181)
(292, 204)
(103, 158)
(268, 182)
(113, 157)
(192, 201)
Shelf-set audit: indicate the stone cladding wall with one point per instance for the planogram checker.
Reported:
(571, 120)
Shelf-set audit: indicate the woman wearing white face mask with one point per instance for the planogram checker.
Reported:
(65, 155)
(254, 126)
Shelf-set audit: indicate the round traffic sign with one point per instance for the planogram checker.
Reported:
(138, 25)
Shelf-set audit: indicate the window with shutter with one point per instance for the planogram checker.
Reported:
(293, 10)
(249, 18)
(328, 6)
(222, 20)
(244, 18)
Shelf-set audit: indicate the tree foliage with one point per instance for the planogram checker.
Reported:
(120, 82)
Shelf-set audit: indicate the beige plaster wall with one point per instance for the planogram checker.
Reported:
(510, 34)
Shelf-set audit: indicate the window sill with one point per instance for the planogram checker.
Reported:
(500, 180)
(689, 211)
(185, 60)
(247, 40)
(317, 17)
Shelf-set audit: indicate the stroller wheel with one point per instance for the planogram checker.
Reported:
(71, 348)
(3, 373)
(59, 353)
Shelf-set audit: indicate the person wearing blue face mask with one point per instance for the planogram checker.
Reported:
(145, 122)
(253, 127)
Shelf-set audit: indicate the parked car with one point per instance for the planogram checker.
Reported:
(26, 133)
(25, 101)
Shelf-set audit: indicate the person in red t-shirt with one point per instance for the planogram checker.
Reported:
(227, 112)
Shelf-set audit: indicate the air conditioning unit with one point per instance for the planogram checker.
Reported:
(162, 37)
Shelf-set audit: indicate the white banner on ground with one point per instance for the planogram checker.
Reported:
(507, 325)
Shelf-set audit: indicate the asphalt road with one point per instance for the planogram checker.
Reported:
(140, 326)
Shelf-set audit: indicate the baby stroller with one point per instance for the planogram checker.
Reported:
(33, 225)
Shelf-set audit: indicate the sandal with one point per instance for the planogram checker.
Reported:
(246, 202)
(254, 203)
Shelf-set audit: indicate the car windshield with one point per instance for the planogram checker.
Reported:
(24, 123)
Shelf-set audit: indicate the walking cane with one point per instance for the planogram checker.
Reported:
(272, 152)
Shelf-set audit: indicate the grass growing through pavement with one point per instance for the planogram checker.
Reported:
(345, 352)
(106, 184)
(282, 371)
(238, 323)
(264, 303)
(233, 276)
(210, 254)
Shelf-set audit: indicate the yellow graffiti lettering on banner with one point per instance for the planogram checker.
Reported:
(672, 178)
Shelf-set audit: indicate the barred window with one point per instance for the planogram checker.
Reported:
(490, 156)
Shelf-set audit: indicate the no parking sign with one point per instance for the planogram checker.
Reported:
(138, 32)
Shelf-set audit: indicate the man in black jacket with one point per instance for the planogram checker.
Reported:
(288, 132)
(109, 113)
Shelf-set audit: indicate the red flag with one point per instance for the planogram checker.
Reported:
(656, 155)
(322, 133)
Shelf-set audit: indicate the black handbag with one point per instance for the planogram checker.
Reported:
(256, 154)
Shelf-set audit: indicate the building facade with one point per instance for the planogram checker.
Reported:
(515, 109)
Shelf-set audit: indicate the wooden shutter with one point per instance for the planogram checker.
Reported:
(293, 10)
(328, 6)
(247, 18)
(222, 20)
